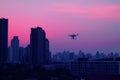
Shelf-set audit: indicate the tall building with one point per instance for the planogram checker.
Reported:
(22, 55)
(15, 49)
(3, 39)
(38, 46)
(10, 54)
(48, 53)
(28, 57)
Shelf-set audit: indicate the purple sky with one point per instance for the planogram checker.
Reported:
(96, 21)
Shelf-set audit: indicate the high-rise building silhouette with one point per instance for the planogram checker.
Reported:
(22, 55)
(28, 56)
(38, 46)
(10, 55)
(3, 39)
(48, 53)
(15, 49)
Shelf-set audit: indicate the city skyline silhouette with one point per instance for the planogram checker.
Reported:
(60, 40)
(97, 22)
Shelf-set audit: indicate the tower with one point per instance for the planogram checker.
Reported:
(3, 39)
(47, 52)
(37, 43)
(15, 49)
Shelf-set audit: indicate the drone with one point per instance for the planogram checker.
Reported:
(73, 36)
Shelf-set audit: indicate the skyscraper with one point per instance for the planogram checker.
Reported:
(3, 39)
(10, 54)
(37, 43)
(22, 55)
(48, 53)
(15, 49)
(28, 56)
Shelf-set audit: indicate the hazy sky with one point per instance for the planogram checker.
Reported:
(96, 21)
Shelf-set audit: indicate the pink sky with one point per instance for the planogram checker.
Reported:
(96, 22)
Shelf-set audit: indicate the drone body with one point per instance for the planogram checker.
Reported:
(73, 36)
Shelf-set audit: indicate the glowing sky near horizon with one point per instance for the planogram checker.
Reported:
(96, 21)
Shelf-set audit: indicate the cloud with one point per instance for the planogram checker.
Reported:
(109, 11)
(90, 1)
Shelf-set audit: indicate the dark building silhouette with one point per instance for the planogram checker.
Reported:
(10, 55)
(15, 49)
(3, 39)
(48, 53)
(28, 56)
(22, 55)
(38, 46)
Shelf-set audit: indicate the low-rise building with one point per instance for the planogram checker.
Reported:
(94, 67)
